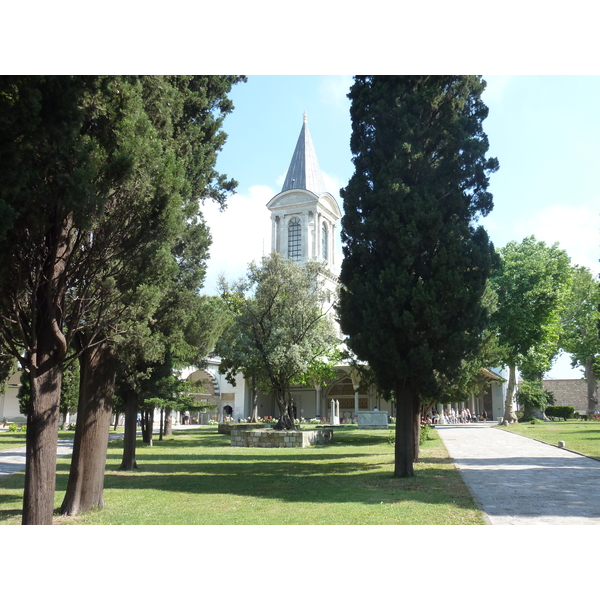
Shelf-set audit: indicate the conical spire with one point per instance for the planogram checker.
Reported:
(304, 172)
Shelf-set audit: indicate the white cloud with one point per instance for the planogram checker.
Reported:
(241, 234)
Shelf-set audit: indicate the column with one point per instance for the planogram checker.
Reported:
(332, 244)
(317, 401)
(276, 234)
(318, 225)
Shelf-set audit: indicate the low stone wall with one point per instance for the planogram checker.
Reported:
(372, 419)
(270, 438)
(227, 428)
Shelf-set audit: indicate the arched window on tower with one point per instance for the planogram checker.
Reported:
(325, 242)
(294, 240)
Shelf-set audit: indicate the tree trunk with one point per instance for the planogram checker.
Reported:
(168, 425)
(116, 425)
(128, 462)
(509, 405)
(85, 489)
(536, 413)
(407, 415)
(285, 422)
(254, 416)
(48, 350)
(592, 386)
(41, 439)
(147, 426)
(162, 424)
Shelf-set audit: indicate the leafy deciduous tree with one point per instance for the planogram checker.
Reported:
(531, 285)
(281, 326)
(580, 329)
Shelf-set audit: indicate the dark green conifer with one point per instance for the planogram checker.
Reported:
(415, 262)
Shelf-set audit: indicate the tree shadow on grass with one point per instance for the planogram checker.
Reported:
(304, 475)
(339, 485)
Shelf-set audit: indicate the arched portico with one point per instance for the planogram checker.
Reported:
(346, 389)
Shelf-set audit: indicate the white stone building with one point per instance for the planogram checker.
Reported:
(305, 220)
(9, 403)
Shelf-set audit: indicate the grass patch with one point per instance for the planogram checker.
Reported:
(196, 477)
(15, 439)
(580, 436)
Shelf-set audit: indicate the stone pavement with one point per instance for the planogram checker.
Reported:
(13, 459)
(519, 481)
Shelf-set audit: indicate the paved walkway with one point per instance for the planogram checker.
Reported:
(519, 481)
(13, 459)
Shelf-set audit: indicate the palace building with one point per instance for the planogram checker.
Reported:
(305, 219)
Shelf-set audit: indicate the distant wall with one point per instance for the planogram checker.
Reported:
(568, 392)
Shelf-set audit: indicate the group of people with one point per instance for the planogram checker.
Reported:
(452, 417)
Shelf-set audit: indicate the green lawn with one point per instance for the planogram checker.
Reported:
(196, 477)
(16, 439)
(580, 436)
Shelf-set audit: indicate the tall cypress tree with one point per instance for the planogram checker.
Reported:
(102, 175)
(415, 262)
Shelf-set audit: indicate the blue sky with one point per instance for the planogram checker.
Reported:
(544, 130)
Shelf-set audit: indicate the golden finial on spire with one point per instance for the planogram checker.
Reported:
(305, 116)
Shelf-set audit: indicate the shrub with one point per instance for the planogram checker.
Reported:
(12, 427)
(560, 412)
(423, 437)
(532, 395)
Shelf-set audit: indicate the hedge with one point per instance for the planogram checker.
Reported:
(560, 412)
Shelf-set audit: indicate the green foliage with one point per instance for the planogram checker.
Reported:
(532, 395)
(128, 158)
(471, 378)
(69, 391)
(560, 412)
(8, 365)
(424, 434)
(580, 335)
(415, 265)
(531, 284)
(320, 370)
(280, 327)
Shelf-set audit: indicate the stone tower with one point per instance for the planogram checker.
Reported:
(304, 215)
